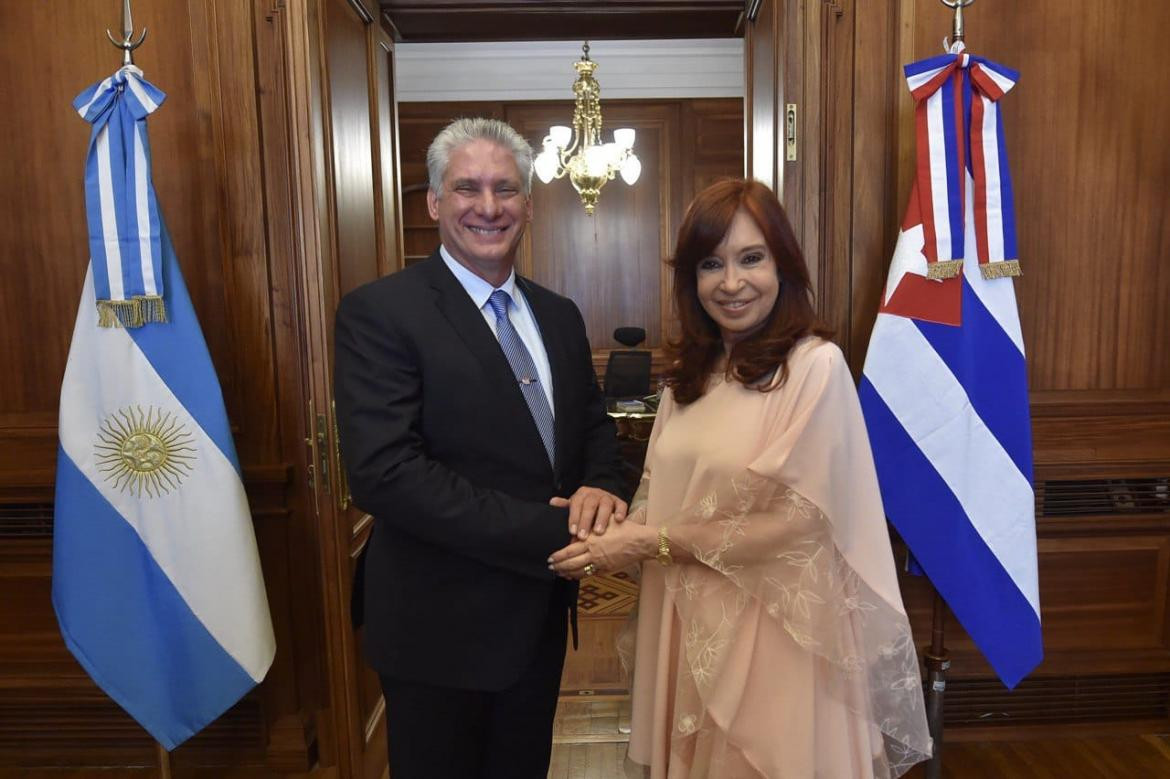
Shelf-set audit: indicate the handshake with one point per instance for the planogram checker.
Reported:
(593, 512)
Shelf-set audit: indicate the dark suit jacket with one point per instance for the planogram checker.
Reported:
(441, 448)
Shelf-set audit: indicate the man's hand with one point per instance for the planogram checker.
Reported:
(590, 510)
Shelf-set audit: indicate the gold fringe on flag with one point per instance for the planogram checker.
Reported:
(153, 308)
(944, 269)
(119, 313)
(131, 313)
(1000, 270)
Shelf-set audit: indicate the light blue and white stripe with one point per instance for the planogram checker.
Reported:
(124, 229)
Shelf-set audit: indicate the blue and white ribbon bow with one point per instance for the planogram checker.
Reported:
(122, 210)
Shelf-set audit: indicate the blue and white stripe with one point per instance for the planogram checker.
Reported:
(124, 229)
(946, 200)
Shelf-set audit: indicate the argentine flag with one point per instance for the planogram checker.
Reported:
(156, 576)
(944, 389)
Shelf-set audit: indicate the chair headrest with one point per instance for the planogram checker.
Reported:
(629, 336)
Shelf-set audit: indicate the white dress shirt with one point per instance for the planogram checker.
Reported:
(519, 314)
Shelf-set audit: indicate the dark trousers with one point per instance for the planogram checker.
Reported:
(443, 733)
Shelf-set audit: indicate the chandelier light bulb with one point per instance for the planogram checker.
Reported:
(631, 169)
(560, 135)
(597, 161)
(545, 165)
(624, 137)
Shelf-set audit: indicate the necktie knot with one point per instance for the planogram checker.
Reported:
(499, 302)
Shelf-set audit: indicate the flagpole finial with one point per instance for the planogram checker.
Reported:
(957, 33)
(127, 44)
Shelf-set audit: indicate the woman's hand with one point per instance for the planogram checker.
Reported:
(625, 544)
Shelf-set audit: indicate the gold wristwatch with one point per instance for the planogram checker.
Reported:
(663, 556)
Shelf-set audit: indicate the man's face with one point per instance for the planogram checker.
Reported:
(483, 210)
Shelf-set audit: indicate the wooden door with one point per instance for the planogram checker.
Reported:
(347, 176)
(782, 149)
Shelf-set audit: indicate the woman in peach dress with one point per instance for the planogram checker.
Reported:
(770, 638)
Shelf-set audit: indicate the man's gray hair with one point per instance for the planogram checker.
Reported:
(466, 130)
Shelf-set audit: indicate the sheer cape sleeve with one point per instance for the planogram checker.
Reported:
(793, 558)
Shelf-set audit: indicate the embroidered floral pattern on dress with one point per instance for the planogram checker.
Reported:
(770, 546)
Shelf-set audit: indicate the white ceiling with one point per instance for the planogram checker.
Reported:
(543, 70)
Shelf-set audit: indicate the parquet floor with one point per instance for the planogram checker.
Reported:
(590, 736)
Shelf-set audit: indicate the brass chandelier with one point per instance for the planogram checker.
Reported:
(579, 152)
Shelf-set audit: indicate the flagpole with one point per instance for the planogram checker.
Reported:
(937, 659)
(127, 43)
(937, 662)
(164, 761)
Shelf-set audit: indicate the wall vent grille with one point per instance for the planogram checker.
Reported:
(1102, 496)
(26, 520)
(1053, 700)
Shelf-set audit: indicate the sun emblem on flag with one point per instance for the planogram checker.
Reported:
(145, 451)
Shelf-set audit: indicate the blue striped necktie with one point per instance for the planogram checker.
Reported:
(525, 370)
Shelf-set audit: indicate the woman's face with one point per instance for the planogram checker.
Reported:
(738, 283)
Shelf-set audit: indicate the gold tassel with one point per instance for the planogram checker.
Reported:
(1000, 270)
(106, 316)
(153, 308)
(119, 313)
(944, 269)
(131, 313)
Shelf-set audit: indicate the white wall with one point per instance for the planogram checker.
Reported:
(543, 70)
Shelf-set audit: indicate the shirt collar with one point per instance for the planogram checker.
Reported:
(476, 287)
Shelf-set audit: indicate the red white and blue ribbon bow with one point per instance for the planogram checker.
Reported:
(960, 130)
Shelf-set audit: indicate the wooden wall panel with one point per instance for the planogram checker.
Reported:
(347, 65)
(712, 144)
(387, 183)
(762, 49)
(1105, 593)
(1089, 166)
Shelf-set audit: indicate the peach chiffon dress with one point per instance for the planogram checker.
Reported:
(785, 650)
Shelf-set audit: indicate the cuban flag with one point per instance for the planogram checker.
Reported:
(944, 389)
(156, 576)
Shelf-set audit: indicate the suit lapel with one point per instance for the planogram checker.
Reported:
(455, 305)
(558, 360)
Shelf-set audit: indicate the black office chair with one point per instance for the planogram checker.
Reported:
(627, 374)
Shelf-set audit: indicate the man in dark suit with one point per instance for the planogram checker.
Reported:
(474, 432)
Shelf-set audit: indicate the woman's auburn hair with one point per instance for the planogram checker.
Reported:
(693, 356)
